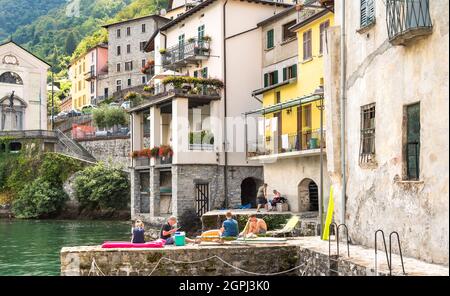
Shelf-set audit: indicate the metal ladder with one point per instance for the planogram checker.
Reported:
(334, 269)
(388, 256)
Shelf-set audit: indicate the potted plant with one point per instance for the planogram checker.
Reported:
(207, 38)
(191, 40)
(165, 151)
(154, 152)
(134, 154)
(163, 51)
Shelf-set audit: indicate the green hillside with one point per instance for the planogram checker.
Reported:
(17, 13)
(62, 29)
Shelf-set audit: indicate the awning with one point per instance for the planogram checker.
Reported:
(167, 73)
(286, 105)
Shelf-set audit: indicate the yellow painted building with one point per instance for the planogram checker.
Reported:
(298, 126)
(285, 135)
(79, 90)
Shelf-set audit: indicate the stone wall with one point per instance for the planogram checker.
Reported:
(116, 150)
(309, 255)
(379, 194)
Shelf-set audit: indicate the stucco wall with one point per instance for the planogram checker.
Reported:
(285, 175)
(33, 92)
(394, 77)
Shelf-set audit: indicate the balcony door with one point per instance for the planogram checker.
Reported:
(181, 47)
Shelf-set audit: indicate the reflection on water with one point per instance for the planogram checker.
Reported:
(31, 247)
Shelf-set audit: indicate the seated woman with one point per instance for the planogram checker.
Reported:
(137, 233)
(276, 198)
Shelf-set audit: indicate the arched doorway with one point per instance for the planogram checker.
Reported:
(308, 196)
(249, 187)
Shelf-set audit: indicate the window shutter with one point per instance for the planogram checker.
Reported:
(270, 39)
(195, 73)
(266, 80)
(275, 77)
(285, 74)
(294, 71)
(363, 13)
(370, 11)
(205, 72)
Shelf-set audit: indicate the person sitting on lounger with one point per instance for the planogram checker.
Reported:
(255, 226)
(137, 233)
(230, 226)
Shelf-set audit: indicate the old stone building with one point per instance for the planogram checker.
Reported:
(126, 56)
(23, 89)
(396, 122)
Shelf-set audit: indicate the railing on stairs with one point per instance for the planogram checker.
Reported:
(74, 147)
(388, 255)
(330, 259)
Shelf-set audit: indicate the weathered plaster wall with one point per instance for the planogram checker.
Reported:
(285, 175)
(394, 77)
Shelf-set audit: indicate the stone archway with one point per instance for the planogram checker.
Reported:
(308, 196)
(249, 189)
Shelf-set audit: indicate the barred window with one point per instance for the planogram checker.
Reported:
(367, 147)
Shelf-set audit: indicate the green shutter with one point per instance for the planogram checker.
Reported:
(285, 74)
(370, 11)
(363, 8)
(275, 77)
(294, 71)
(270, 39)
(205, 72)
(266, 80)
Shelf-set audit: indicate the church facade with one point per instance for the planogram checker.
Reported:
(23, 89)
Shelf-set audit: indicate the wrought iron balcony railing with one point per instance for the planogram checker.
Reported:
(407, 20)
(190, 52)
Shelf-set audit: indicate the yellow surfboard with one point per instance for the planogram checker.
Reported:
(329, 218)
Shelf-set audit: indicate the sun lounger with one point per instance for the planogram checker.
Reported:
(287, 229)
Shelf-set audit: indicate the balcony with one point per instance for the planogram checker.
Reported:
(88, 76)
(188, 53)
(306, 143)
(407, 20)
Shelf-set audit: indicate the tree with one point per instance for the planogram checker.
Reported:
(71, 43)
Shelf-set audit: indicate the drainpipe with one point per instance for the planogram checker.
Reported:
(225, 140)
(342, 115)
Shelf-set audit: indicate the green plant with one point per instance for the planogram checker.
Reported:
(38, 199)
(207, 38)
(202, 137)
(154, 152)
(150, 89)
(190, 40)
(162, 51)
(107, 116)
(101, 187)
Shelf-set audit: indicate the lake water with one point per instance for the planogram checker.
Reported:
(31, 247)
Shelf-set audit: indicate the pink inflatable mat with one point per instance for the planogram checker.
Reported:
(155, 244)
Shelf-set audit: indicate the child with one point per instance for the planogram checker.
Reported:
(138, 233)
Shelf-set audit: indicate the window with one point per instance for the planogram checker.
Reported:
(143, 28)
(10, 78)
(367, 12)
(106, 92)
(271, 78)
(290, 72)
(413, 142)
(92, 87)
(195, 73)
(323, 28)
(118, 33)
(118, 50)
(367, 146)
(92, 70)
(118, 67)
(205, 72)
(143, 63)
(307, 45)
(278, 97)
(201, 32)
(270, 41)
(118, 85)
(129, 66)
(287, 34)
(144, 79)
(129, 82)
(181, 46)
(128, 48)
(79, 85)
(142, 45)
(128, 31)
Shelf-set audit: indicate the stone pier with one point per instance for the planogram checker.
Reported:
(305, 256)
